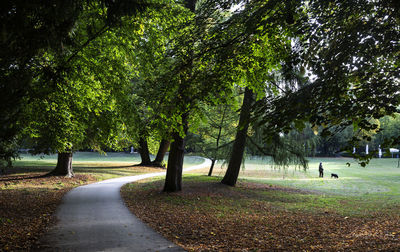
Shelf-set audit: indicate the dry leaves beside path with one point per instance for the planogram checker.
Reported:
(210, 216)
(27, 204)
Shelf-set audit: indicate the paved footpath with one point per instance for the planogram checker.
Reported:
(95, 218)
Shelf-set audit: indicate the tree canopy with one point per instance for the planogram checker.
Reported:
(350, 50)
(354, 54)
(78, 74)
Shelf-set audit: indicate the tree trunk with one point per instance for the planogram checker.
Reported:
(144, 152)
(173, 180)
(158, 161)
(217, 145)
(211, 167)
(235, 161)
(64, 165)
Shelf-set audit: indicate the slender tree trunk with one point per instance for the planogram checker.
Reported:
(217, 147)
(158, 161)
(64, 165)
(235, 161)
(144, 152)
(173, 180)
(211, 167)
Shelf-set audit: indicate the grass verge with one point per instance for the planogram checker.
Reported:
(207, 215)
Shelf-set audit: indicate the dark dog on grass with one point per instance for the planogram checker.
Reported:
(333, 175)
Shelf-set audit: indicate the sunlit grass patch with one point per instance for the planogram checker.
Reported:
(381, 176)
(114, 164)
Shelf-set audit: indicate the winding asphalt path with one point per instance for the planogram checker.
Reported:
(95, 218)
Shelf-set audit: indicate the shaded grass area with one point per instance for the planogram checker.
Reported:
(207, 215)
(100, 171)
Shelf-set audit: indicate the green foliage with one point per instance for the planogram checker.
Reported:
(44, 49)
(27, 29)
(390, 129)
(89, 74)
(216, 131)
(76, 102)
(8, 151)
(148, 111)
(284, 149)
(348, 47)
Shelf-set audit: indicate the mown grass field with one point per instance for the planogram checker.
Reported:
(381, 176)
(111, 165)
(374, 187)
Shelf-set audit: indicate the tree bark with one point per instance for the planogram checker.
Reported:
(158, 161)
(236, 158)
(211, 167)
(64, 165)
(173, 179)
(144, 152)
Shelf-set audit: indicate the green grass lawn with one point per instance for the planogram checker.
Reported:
(381, 176)
(358, 191)
(113, 164)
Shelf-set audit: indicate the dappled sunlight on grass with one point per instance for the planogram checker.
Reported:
(301, 179)
(114, 164)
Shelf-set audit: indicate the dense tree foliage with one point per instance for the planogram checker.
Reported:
(27, 29)
(350, 49)
(152, 116)
(55, 78)
(216, 133)
(76, 102)
(78, 74)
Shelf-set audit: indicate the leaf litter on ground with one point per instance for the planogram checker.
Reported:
(27, 206)
(208, 216)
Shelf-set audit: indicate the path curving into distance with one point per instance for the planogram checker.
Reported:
(94, 218)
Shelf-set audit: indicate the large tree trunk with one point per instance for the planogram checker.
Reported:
(144, 152)
(235, 161)
(64, 165)
(158, 161)
(173, 180)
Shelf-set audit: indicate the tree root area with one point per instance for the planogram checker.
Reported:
(208, 216)
(27, 207)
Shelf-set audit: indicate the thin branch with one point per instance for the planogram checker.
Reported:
(95, 36)
(258, 147)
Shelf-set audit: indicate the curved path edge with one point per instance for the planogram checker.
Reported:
(94, 218)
